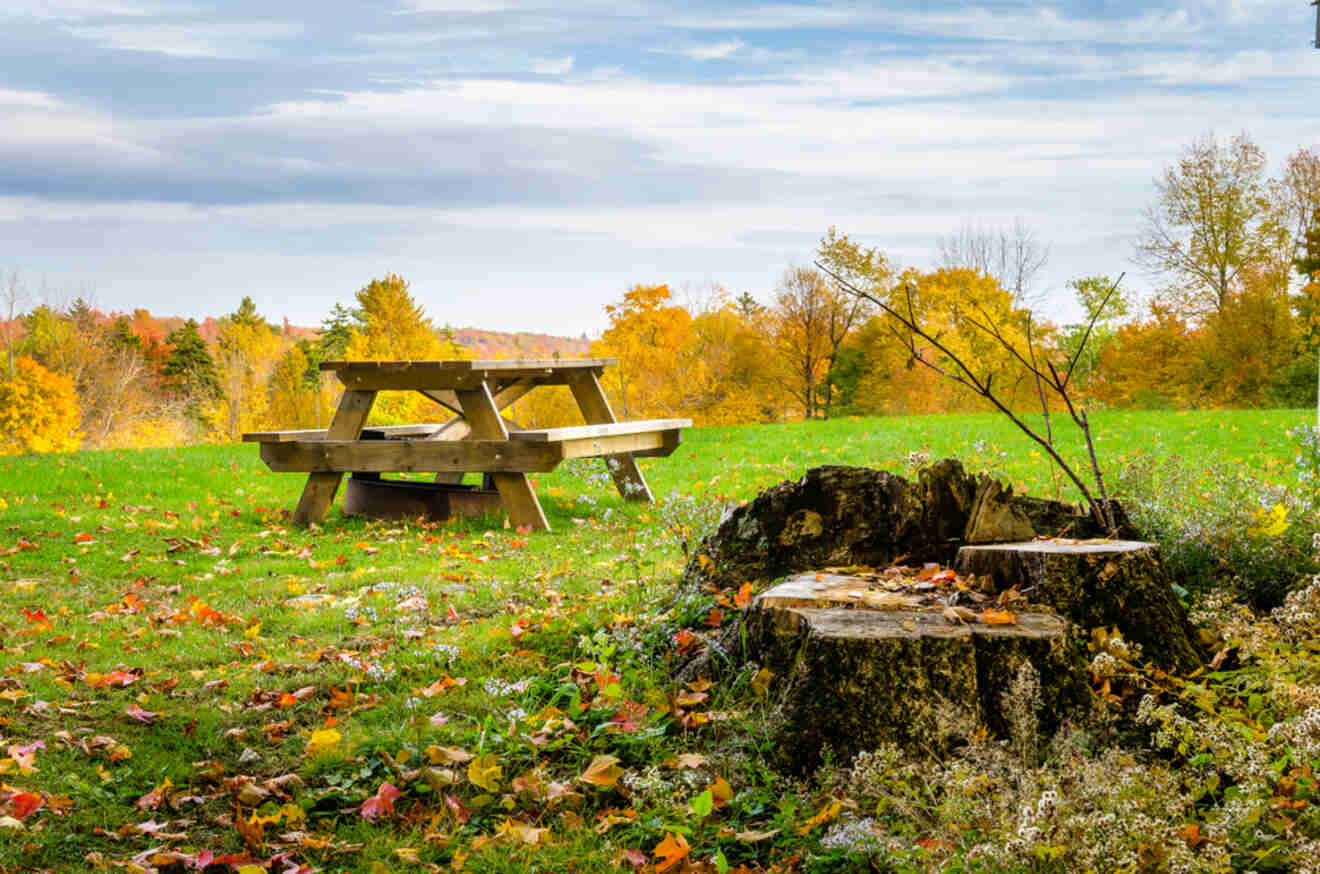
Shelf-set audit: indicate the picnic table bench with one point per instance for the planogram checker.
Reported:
(477, 440)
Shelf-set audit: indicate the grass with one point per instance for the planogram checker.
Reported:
(189, 681)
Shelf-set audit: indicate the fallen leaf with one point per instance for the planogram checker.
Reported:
(670, 851)
(604, 771)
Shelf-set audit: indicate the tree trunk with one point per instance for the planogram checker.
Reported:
(848, 679)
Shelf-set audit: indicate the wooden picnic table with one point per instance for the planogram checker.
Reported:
(477, 440)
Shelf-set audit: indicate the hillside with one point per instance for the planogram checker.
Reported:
(499, 344)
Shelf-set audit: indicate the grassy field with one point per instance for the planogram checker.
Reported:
(188, 683)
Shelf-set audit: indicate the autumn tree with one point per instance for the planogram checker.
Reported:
(390, 325)
(799, 335)
(1212, 219)
(247, 349)
(38, 411)
(647, 328)
(863, 268)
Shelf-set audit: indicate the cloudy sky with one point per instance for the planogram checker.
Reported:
(523, 163)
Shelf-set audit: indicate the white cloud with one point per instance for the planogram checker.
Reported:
(553, 66)
(233, 39)
(704, 51)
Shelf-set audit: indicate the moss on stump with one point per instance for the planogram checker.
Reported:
(1105, 584)
(849, 679)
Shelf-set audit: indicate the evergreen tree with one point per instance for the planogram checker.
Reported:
(122, 336)
(189, 367)
(246, 314)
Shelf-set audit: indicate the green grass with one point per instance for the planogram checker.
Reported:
(178, 567)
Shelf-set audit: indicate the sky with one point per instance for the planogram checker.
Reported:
(523, 164)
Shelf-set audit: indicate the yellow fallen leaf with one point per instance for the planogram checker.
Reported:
(322, 740)
(485, 772)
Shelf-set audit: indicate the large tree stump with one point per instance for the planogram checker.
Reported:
(857, 664)
(1119, 584)
(836, 516)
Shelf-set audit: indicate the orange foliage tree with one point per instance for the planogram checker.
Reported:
(38, 411)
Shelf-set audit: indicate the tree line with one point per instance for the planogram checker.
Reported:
(1235, 321)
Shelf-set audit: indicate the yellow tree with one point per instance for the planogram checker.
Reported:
(38, 411)
(247, 350)
(646, 332)
(392, 326)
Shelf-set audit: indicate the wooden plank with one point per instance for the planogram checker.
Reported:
(613, 429)
(596, 410)
(437, 380)
(650, 442)
(319, 492)
(493, 364)
(410, 456)
(420, 430)
(515, 489)
(671, 440)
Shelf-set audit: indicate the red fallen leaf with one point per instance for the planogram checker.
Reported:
(24, 804)
(36, 617)
(82, 537)
(144, 716)
(685, 640)
(453, 614)
(461, 813)
(380, 804)
(715, 618)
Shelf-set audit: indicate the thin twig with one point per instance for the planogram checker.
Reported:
(1095, 316)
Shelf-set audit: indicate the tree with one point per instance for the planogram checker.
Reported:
(799, 335)
(246, 352)
(13, 295)
(189, 368)
(392, 326)
(1013, 256)
(1297, 192)
(647, 330)
(38, 411)
(1212, 219)
(862, 268)
(1103, 306)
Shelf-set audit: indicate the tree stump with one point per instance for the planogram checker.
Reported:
(1120, 584)
(858, 662)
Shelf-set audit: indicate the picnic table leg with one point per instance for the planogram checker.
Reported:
(596, 410)
(319, 493)
(515, 489)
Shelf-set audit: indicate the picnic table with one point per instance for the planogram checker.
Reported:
(477, 440)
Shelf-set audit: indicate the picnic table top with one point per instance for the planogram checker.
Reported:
(470, 364)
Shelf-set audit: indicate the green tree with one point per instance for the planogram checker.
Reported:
(246, 314)
(189, 368)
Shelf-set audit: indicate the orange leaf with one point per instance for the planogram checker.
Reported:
(669, 852)
(998, 617)
(604, 771)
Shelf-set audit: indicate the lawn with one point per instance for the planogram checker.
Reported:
(189, 683)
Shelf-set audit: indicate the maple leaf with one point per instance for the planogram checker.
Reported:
(322, 740)
(24, 804)
(604, 771)
(380, 804)
(484, 771)
(670, 851)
